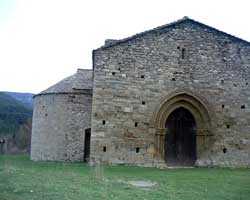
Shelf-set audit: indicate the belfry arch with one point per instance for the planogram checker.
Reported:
(197, 109)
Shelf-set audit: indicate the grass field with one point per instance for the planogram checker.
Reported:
(22, 179)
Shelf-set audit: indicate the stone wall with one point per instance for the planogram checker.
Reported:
(59, 123)
(132, 78)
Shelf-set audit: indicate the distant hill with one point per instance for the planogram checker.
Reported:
(13, 112)
(25, 98)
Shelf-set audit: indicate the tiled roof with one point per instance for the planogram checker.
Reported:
(81, 81)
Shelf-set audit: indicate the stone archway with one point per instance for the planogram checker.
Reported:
(196, 107)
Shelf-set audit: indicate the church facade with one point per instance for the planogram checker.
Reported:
(176, 95)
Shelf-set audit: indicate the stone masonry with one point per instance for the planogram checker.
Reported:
(137, 83)
(135, 76)
(60, 117)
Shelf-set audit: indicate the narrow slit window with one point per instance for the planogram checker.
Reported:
(136, 124)
(104, 149)
(183, 52)
(103, 122)
(137, 149)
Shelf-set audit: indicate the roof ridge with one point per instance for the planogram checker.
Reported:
(185, 18)
(142, 33)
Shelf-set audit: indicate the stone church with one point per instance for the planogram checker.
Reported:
(176, 95)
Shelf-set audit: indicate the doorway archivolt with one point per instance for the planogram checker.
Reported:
(195, 106)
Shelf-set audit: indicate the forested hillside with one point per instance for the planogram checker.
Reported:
(15, 123)
(13, 113)
(25, 98)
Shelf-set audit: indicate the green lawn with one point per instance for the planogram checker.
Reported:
(22, 179)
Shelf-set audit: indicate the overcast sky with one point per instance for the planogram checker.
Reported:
(43, 41)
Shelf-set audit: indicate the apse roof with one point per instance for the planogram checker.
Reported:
(80, 82)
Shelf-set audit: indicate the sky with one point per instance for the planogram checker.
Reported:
(44, 41)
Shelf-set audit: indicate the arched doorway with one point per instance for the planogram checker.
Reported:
(180, 139)
(175, 115)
